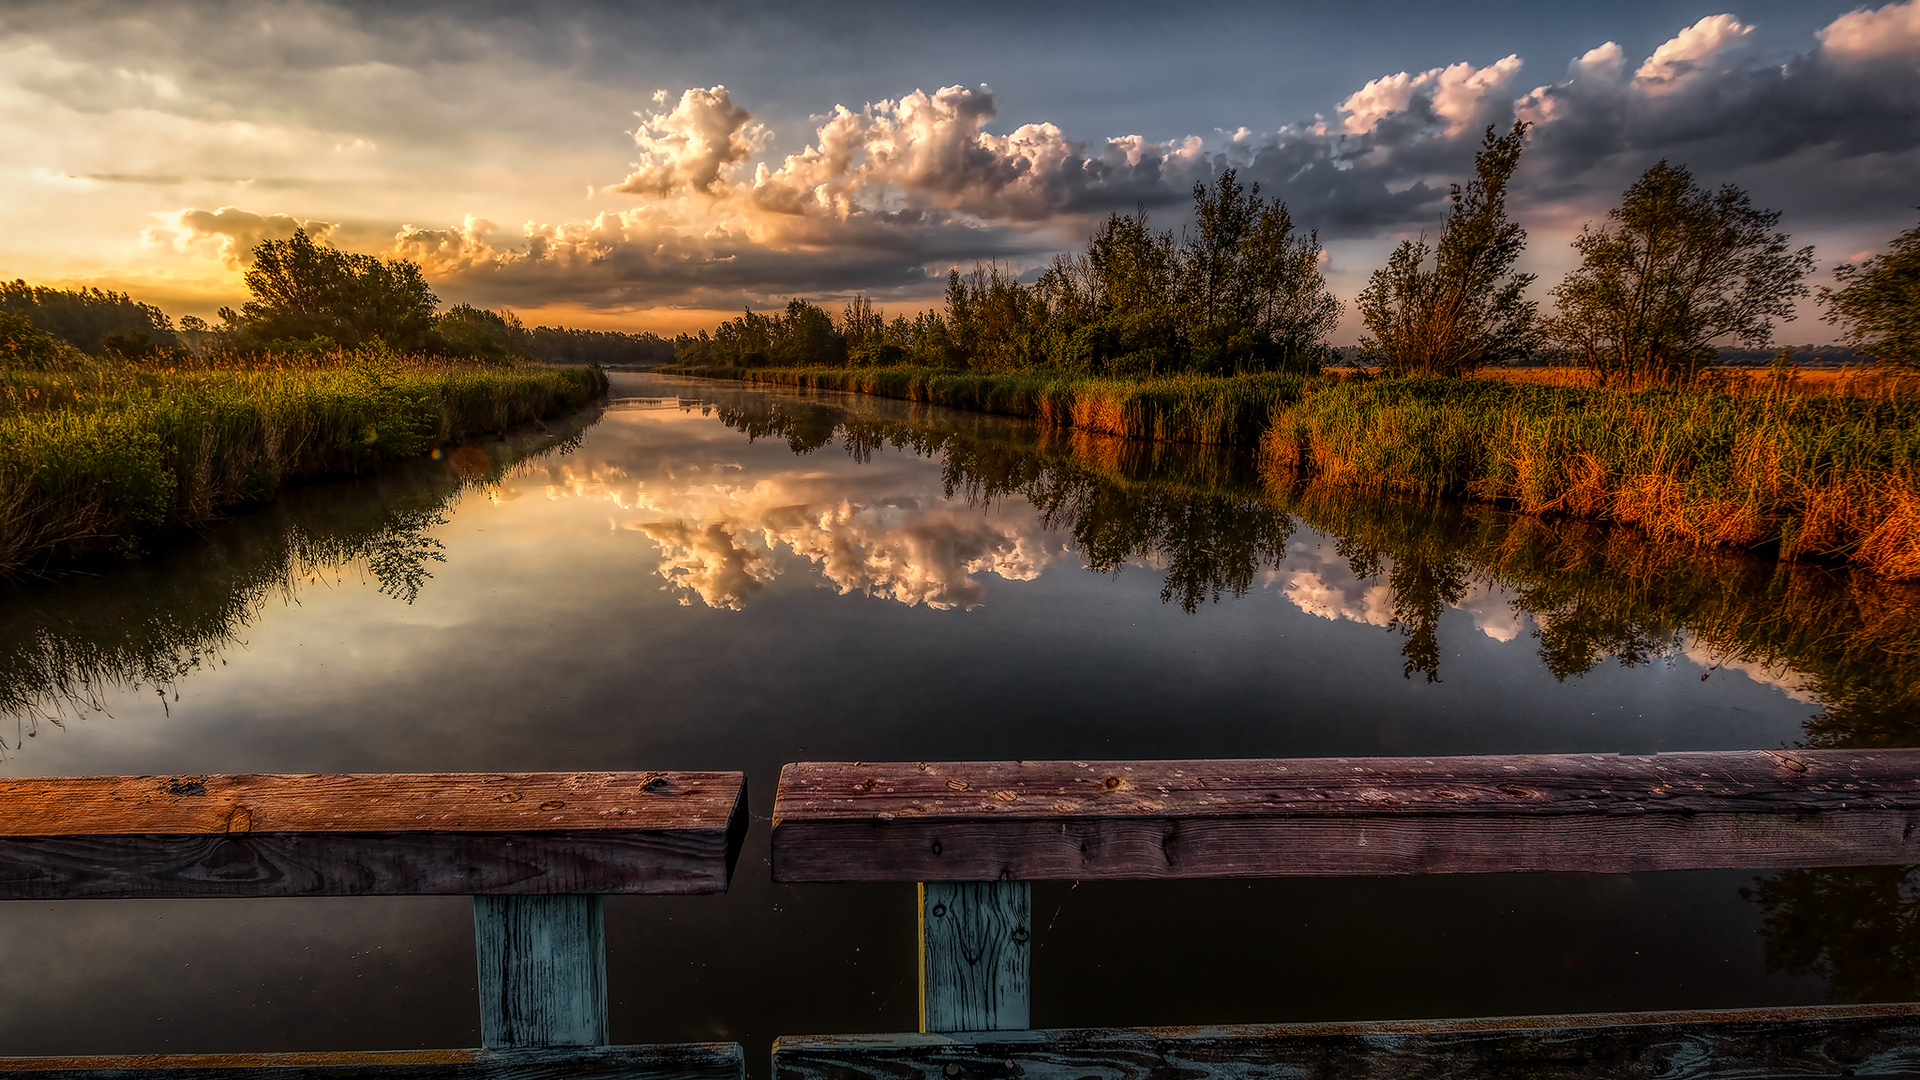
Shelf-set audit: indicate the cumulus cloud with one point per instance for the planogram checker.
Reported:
(229, 233)
(692, 146)
(1893, 31)
(929, 150)
(448, 251)
(885, 197)
(1454, 94)
(1691, 52)
(1819, 134)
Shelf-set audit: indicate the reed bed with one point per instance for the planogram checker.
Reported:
(101, 458)
(1830, 477)
(1790, 464)
(1228, 411)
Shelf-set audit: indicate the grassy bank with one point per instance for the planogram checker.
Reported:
(101, 458)
(1229, 411)
(1833, 476)
(1830, 477)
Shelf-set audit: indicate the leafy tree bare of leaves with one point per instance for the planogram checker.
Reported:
(1879, 303)
(1675, 268)
(1469, 310)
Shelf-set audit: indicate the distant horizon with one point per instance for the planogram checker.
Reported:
(738, 157)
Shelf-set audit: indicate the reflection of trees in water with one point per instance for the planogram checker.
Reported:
(66, 643)
(1855, 928)
(1591, 594)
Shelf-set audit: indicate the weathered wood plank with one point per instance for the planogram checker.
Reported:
(459, 833)
(362, 803)
(1748, 1044)
(1064, 820)
(542, 966)
(976, 955)
(682, 1061)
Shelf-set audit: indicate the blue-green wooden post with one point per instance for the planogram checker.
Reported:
(543, 970)
(976, 955)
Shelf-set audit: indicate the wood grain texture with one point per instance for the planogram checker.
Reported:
(542, 970)
(682, 1061)
(1876, 1041)
(412, 834)
(976, 955)
(1076, 820)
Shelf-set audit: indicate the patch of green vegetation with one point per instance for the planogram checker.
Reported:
(67, 644)
(1831, 477)
(1220, 410)
(103, 457)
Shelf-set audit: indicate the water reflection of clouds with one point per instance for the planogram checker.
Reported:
(873, 531)
(1795, 685)
(716, 540)
(1316, 579)
(727, 520)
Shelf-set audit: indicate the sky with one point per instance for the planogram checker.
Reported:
(643, 166)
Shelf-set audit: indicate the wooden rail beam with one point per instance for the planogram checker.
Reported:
(679, 1061)
(375, 835)
(1858, 1041)
(1078, 820)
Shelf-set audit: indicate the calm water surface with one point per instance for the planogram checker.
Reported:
(705, 576)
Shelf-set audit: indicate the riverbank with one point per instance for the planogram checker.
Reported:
(1826, 476)
(105, 458)
(1230, 411)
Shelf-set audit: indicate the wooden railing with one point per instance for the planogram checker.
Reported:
(537, 851)
(975, 834)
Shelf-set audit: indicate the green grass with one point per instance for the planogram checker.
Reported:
(104, 458)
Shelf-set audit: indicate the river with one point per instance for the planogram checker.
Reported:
(706, 576)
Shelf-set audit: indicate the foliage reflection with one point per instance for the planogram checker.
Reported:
(67, 642)
(1590, 594)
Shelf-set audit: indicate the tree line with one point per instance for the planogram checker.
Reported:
(1241, 290)
(305, 296)
(1672, 272)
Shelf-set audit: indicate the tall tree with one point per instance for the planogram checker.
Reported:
(1879, 303)
(304, 290)
(1470, 309)
(1675, 268)
(1286, 289)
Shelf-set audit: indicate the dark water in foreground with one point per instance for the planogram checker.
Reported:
(712, 577)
